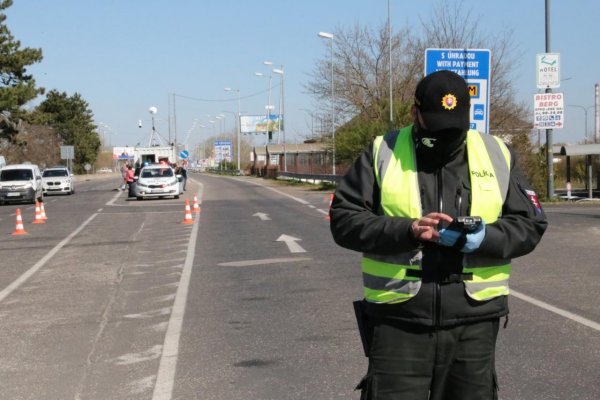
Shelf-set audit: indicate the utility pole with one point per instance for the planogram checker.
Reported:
(549, 144)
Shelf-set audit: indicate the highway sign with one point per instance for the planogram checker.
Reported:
(548, 111)
(222, 150)
(474, 66)
(548, 70)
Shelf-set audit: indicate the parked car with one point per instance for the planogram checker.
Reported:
(156, 180)
(20, 183)
(57, 180)
(105, 170)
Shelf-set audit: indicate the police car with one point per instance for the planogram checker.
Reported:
(156, 180)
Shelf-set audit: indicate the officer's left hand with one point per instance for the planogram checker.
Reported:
(474, 239)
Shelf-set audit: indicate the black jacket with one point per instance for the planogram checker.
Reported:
(356, 224)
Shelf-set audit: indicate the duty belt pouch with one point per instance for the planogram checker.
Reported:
(363, 325)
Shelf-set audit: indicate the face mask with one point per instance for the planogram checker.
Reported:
(441, 145)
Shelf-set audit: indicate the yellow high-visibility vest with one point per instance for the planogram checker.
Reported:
(397, 278)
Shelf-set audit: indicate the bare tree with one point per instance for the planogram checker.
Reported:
(361, 57)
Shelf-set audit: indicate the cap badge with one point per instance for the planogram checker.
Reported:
(449, 102)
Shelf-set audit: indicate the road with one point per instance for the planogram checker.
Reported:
(117, 299)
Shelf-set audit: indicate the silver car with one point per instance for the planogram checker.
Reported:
(156, 181)
(57, 180)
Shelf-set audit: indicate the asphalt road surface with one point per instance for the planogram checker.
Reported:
(117, 299)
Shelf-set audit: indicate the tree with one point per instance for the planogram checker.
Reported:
(16, 86)
(72, 119)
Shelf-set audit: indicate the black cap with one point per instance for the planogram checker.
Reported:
(443, 100)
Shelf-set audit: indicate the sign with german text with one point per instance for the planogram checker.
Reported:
(474, 66)
(548, 111)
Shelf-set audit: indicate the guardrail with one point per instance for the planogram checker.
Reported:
(314, 178)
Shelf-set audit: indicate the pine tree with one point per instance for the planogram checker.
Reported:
(16, 86)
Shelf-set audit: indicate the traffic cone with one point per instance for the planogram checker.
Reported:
(38, 214)
(19, 230)
(327, 217)
(188, 213)
(196, 207)
(42, 211)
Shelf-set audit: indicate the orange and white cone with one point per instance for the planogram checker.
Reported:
(327, 217)
(196, 207)
(188, 213)
(42, 211)
(38, 214)
(19, 230)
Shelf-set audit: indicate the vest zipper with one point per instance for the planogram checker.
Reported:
(438, 286)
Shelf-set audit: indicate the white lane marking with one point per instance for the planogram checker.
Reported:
(556, 310)
(249, 263)
(165, 379)
(27, 274)
(134, 358)
(290, 241)
(301, 201)
(112, 201)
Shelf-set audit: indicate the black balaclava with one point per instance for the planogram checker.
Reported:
(442, 102)
(439, 147)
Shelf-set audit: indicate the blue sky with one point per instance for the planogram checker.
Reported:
(124, 56)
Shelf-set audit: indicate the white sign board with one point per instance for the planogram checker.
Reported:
(222, 150)
(474, 66)
(548, 111)
(67, 152)
(548, 70)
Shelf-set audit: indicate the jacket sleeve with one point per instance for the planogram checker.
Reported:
(522, 224)
(355, 220)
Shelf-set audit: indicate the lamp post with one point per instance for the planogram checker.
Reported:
(390, 64)
(280, 72)
(326, 35)
(585, 111)
(237, 124)
(268, 107)
(153, 110)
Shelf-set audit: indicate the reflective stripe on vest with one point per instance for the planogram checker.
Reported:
(387, 279)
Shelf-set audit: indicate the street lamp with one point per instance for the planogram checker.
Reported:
(153, 110)
(585, 111)
(268, 107)
(279, 71)
(326, 35)
(237, 124)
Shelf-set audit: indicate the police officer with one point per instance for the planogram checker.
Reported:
(434, 294)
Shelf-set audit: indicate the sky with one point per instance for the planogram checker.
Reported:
(126, 56)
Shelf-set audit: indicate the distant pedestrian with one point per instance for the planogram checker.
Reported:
(124, 170)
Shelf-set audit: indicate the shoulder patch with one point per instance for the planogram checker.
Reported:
(534, 200)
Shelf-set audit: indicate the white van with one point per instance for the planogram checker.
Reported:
(20, 183)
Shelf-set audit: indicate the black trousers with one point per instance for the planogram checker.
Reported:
(411, 362)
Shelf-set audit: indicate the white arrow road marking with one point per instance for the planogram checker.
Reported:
(262, 216)
(290, 241)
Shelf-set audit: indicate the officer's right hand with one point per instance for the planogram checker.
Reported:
(424, 229)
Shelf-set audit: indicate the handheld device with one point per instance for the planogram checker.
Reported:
(465, 224)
